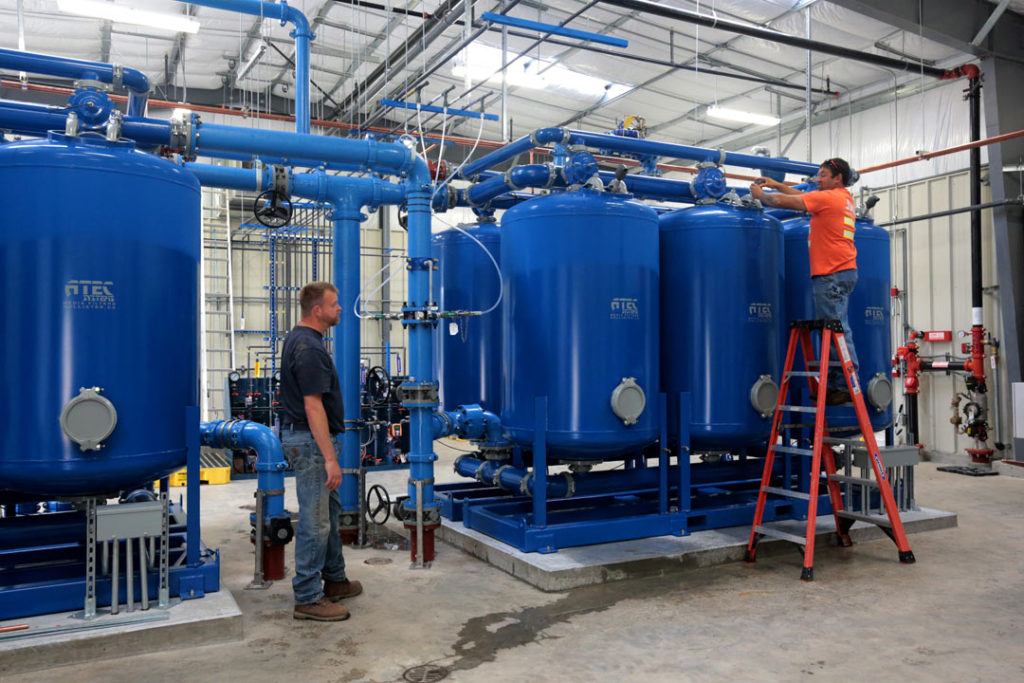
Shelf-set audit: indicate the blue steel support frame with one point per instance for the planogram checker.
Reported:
(540, 465)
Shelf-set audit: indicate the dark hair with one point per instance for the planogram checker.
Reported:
(839, 167)
(313, 295)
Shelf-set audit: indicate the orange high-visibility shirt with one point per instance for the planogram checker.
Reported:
(830, 240)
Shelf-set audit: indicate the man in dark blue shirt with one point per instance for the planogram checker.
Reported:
(312, 416)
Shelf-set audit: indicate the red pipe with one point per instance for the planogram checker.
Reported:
(995, 139)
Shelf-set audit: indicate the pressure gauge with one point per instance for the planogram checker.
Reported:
(234, 376)
(277, 376)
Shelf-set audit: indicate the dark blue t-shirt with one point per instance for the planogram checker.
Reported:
(307, 369)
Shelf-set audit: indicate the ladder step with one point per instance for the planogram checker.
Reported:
(794, 450)
(801, 373)
(789, 493)
(843, 479)
(870, 519)
(799, 409)
(782, 535)
(831, 364)
(837, 441)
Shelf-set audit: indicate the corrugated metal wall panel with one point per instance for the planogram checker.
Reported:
(938, 291)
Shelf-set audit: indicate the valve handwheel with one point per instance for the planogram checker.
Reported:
(378, 504)
(272, 209)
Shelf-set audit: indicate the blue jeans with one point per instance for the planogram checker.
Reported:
(318, 555)
(831, 300)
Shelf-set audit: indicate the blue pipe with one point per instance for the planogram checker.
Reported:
(270, 463)
(530, 175)
(650, 187)
(302, 33)
(434, 109)
(470, 422)
(366, 154)
(554, 29)
(347, 196)
(568, 485)
(282, 161)
(134, 80)
(421, 339)
(616, 143)
(36, 119)
(539, 138)
(247, 180)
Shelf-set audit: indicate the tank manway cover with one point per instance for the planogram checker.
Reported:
(879, 392)
(764, 395)
(628, 401)
(88, 418)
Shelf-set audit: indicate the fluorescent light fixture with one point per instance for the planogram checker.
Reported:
(480, 62)
(727, 114)
(261, 48)
(178, 23)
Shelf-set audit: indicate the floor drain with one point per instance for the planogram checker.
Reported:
(425, 673)
(377, 560)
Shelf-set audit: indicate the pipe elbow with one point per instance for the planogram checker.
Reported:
(542, 137)
(297, 19)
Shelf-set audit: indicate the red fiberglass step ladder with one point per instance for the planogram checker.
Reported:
(831, 335)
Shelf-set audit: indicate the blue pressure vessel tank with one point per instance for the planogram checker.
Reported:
(99, 262)
(869, 314)
(468, 349)
(721, 317)
(580, 316)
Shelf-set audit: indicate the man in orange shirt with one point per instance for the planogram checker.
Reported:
(830, 243)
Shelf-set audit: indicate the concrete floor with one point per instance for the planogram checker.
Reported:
(956, 615)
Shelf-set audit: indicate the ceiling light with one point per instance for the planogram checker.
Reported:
(178, 23)
(480, 62)
(727, 114)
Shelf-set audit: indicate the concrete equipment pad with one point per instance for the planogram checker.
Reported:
(64, 640)
(588, 565)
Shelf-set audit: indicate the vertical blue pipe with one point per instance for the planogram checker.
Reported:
(540, 462)
(421, 340)
(663, 457)
(303, 35)
(347, 217)
(684, 453)
(191, 486)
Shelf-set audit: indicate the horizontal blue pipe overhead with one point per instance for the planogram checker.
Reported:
(553, 28)
(434, 109)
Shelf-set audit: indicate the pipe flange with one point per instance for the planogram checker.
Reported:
(118, 76)
(181, 133)
(479, 473)
(524, 485)
(496, 479)
(281, 181)
(508, 180)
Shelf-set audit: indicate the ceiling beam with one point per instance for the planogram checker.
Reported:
(951, 22)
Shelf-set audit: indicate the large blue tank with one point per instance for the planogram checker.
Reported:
(721, 317)
(469, 361)
(99, 258)
(869, 313)
(581, 323)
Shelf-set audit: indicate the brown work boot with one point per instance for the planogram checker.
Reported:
(339, 590)
(321, 610)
